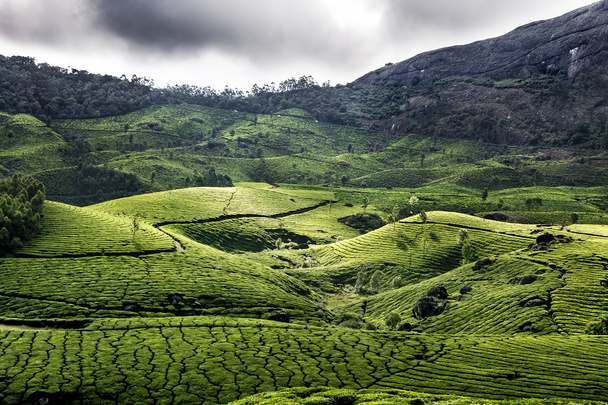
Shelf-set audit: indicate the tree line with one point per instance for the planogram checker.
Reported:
(21, 204)
(50, 92)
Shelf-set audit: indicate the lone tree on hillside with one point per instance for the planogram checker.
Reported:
(394, 217)
(465, 246)
(484, 194)
(392, 320)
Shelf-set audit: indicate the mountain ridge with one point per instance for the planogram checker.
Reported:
(564, 44)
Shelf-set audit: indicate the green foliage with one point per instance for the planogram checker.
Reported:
(332, 396)
(599, 327)
(466, 248)
(392, 320)
(423, 217)
(66, 93)
(21, 205)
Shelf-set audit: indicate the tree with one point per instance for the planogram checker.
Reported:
(360, 283)
(396, 213)
(21, 205)
(465, 246)
(135, 224)
(599, 327)
(344, 180)
(484, 194)
(262, 173)
(396, 282)
(574, 218)
(365, 203)
(392, 320)
(393, 218)
(374, 282)
(413, 202)
(422, 216)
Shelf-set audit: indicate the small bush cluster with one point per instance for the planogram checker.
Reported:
(599, 327)
(21, 202)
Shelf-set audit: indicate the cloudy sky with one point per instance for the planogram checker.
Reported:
(244, 42)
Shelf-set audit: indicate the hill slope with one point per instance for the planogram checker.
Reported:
(102, 308)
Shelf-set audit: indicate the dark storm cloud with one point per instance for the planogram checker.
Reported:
(239, 39)
(438, 17)
(256, 29)
(50, 21)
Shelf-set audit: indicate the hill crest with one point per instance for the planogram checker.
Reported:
(570, 44)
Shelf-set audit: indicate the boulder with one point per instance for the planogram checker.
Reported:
(175, 299)
(130, 307)
(480, 265)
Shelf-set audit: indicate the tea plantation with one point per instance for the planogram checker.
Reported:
(233, 294)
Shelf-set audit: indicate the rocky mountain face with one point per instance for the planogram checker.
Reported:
(571, 44)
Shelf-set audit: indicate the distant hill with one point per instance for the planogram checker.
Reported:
(572, 44)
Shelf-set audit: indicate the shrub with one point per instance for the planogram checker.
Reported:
(392, 320)
(600, 327)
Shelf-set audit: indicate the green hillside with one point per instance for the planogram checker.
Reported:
(325, 246)
(175, 297)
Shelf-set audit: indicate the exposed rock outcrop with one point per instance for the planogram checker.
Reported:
(569, 44)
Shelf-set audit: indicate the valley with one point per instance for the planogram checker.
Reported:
(434, 232)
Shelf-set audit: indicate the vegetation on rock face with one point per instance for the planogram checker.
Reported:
(21, 204)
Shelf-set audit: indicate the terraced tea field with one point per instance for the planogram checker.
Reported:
(218, 360)
(210, 295)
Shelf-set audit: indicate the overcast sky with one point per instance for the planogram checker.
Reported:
(244, 42)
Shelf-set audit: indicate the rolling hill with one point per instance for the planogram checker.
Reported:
(432, 233)
(127, 301)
